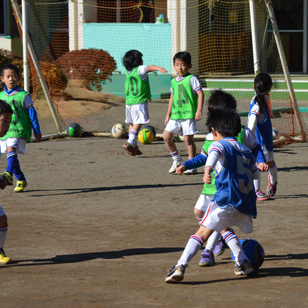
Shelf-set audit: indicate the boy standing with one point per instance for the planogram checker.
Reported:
(185, 108)
(24, 119)
(138, 93)
(234, 202)
(5, 120)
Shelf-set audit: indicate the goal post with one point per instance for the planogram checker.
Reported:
(79, 46)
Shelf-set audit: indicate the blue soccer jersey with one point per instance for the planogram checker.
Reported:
(234, 178)
(263, 128)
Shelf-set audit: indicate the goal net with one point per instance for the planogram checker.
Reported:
(80, 45)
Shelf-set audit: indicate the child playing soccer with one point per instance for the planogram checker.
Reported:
(219, 100)
(137, 89)
(185, 108)
(5, 120)
(24, 119)
(234, 202)
(259, 122)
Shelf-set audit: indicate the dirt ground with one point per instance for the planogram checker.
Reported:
(99, 228)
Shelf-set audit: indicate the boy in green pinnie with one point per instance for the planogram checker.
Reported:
(24, 119)
(138, 94)
(185, 108)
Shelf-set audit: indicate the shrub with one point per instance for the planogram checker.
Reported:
(92, 66)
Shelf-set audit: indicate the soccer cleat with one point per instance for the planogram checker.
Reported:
(244, 269)
(20, 186)
(190, 171)
(3, 258)
(137, 150)
(271, 188)
(130, 150)
(219, 248)
(207, 258)
(176, 274)
(261, 196)
(6, 175)
(175, 165)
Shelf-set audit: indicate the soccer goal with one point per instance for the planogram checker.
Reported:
(79, 46)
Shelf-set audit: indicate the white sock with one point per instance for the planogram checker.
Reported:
(257, 182)
(176, 156)
(273, 174)
(212, 241)
(192, 247)
(132, 137)
(3, 233)
(234, 244)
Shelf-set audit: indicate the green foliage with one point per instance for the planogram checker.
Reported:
(92, 66)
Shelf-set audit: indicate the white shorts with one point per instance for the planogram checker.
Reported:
(2, 213)
(218, 218)
(182, 127)
(137, 114)
(203, 202)
(17, 143)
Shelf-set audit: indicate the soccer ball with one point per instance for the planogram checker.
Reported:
(254, 252)
(118, 131)
(145, 136)
(151, 128)
(74, 130)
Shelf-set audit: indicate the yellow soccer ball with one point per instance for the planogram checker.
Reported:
(145, 136)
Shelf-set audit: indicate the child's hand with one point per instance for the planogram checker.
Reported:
(207, 179)
(180, 169)
(263, 167)
(198, 115)
(162, 70)
(38, 137)
(3, 182)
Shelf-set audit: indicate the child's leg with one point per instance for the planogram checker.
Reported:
(3, 233)
(193, 245)
(272, 172)
(11, 160)
(133, 133)
(234, 244)
(191, 146)
(170, 144)
(261, 196)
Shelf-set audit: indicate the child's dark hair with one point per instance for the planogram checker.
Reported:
(132, 59)
(5, 107)
(263, 83)
(183, 55)
(9, 66)
(220, 100)
(227, 122)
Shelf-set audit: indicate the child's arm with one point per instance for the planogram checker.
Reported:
(198, 115)
(32, 114)
(155, 68)
(207, 179)
(195, 162)
(169, 109)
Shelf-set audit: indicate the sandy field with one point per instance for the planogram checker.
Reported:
(99, 228)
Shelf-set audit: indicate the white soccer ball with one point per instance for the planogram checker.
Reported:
(118, 131)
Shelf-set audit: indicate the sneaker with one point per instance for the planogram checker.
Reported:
(207, 258)
(219, 248)
(244, 269)
(271, 188)
(261, 196)
(20, 186)
(176, 274)
(175, 165)
(3, 258)
(130, 150)
(136, 150)
(190, 171)
(8, 177)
